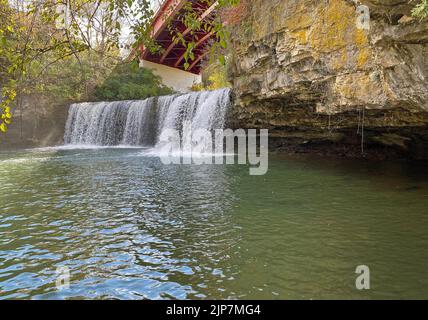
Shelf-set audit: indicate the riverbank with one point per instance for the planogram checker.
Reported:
(369, 134)
(346, 144)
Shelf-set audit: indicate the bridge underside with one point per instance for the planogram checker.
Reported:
(168, 22)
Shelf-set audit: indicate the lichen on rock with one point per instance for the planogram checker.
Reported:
(307, 66)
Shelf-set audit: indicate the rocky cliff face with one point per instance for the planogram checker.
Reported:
(306, 71)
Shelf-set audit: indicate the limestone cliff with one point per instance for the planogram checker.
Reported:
(306, 71)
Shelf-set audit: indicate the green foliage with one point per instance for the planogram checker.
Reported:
(7, 64)
(218, 79)
(421, 10)
(214, 77)
(72, 79)
(192, 22)
(129, 82)
(214, 74)
(43, 50)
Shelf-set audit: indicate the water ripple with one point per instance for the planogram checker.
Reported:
(128, 227)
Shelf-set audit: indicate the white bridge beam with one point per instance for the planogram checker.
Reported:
(176, 79)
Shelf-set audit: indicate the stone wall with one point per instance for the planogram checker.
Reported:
(40, 123)
(304, 70)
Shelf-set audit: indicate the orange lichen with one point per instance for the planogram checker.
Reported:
(363, 57)
(301, 37)
(362, 42)
(333, 26)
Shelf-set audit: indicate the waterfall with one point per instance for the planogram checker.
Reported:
(142, 122)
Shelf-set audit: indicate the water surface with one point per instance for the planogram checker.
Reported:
(129, 227)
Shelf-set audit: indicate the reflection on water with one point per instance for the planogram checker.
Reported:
(129, 227)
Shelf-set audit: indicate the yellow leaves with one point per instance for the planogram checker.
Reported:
(7, 95)
(5, 120)
(6, 115)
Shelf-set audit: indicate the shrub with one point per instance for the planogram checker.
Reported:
(129, 82)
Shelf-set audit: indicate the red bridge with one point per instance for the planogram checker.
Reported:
(167, 22)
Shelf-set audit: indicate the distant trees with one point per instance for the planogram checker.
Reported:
(42, 41)
(7, 28)
(72, 80)
(40, 53)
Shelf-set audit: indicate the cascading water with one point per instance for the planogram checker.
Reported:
(141, 123)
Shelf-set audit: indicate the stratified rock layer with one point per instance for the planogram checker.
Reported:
(307, 72)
